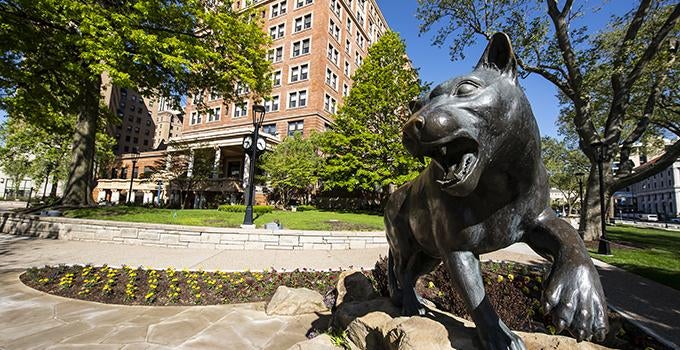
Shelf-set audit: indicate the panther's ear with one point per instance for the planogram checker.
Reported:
(498, 54)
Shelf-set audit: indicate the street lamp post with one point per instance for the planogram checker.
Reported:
(135, 157)
(252, 144)
(603, 247)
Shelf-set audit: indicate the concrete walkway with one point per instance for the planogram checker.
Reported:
(651, 305)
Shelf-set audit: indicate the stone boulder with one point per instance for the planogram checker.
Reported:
(353, 285)
(417, 332)
(347, 312)
(535, 341)
(295, 301)
(321, 342)
(365, 331)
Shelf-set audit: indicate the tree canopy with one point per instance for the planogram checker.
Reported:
(363, 150)
(563, 162)
(292, 168)
(53, 54)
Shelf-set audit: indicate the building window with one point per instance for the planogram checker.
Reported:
(275, 55)
(279, 9)
(214, 114)
(329, 104)
(333, 54)
(197, 98)
(331, 79)
(348, 46)
(273, 104)
(345, 90)
(349, 25)
(297, 99)
(303, 23)
(277, 32)
(334, 30)
(195, 118)
(336, 8)
(214, 96)
(276, 78)
(242, 88)
(127, 138)
(295, 127)
(241, 109)
(146, 142)
(234, 169)
(300, 3)
(347, 69)
(269, 129)
(300, 47)
(299, 73)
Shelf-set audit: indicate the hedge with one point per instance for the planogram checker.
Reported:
(238, 208)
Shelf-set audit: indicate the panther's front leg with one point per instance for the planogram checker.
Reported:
(492, 332)
(573, 293)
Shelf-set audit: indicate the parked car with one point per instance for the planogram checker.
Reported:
(649, 217)
(675, 220)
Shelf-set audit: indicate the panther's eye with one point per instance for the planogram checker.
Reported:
(465, 88)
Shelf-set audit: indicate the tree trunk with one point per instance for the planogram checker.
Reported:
(78, 191)
(53, 190)
(589, 223)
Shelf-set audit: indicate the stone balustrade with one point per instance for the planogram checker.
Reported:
(177, 236)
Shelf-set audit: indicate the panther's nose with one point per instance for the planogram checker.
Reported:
(411, 133)
(414, 126)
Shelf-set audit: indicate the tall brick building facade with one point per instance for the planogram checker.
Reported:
(316, 47)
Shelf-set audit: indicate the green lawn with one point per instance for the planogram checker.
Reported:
(308, 220)
(651, 253)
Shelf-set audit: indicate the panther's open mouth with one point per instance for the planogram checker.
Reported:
(456, 158)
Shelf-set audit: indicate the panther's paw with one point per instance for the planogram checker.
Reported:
(499, 337)
(574, 297)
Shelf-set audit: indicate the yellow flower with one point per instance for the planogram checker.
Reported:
(499, 279)
(511, 277)
(430, 285)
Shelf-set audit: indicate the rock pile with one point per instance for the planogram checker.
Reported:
(371, 322)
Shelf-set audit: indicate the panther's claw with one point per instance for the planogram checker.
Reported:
(574, 297)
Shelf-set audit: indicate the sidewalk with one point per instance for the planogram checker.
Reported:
(651, 305)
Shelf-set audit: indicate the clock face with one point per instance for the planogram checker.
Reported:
(247, 142)
(261, 145)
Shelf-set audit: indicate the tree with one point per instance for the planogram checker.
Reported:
(563, 161)
(32, 151)
(363, 149)
(185, 168)
(610, 83)
(53, 55)
(292, 168)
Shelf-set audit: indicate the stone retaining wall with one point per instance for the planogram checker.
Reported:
(175, 236)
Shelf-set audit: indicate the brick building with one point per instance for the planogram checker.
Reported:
(316, 47)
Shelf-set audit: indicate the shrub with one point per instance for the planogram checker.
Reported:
(306, 208)
(238, 208)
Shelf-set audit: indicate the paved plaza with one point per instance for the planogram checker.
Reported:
(66, 323)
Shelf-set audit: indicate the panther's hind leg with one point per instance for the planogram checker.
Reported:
(418, 264)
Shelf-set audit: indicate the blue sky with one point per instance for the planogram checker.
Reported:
(435, 64)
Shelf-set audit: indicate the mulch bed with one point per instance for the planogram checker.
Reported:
(513, 289)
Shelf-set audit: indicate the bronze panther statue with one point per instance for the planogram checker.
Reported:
(485, 189)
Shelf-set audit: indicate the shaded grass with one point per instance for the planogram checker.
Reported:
(308, 220)
(651, 253)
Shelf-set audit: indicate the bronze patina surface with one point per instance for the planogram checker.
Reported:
(485, 189)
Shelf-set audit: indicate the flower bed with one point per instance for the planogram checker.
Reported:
(513, 289)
